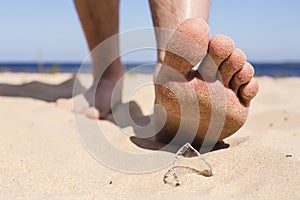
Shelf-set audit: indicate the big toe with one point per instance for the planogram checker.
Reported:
(92, 113)
(187, 46)
(76, 104)
(64, 104)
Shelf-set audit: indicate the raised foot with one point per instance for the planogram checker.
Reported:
(210, 103)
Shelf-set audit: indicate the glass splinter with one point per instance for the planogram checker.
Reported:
(180, 152)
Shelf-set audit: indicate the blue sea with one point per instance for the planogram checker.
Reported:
(261, 69)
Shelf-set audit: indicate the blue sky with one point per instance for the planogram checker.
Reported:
(34, 30)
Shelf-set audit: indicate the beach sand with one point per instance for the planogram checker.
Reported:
(41, 156)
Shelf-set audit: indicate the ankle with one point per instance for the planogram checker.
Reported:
(114, 72)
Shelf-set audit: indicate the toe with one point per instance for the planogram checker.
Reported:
(187, 46)
(248, 91)
(64, 104)
(76, 104)
(230, 66)
(241, 77)
(220, 48)
(92, 113)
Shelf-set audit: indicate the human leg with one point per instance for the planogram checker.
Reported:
(100, 21)
(223, 64)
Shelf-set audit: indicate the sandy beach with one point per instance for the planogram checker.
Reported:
(42, 157)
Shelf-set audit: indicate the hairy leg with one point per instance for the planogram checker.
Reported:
(99, 20)
(170, 14)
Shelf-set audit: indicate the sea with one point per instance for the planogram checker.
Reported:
(261, 69)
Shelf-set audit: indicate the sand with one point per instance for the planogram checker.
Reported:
(42, 157)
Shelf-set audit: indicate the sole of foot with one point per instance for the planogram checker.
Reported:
(206, 104)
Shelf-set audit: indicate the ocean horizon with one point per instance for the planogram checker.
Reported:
(288, 69)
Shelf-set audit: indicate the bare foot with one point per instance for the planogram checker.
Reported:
(97, 101)
(223, 67)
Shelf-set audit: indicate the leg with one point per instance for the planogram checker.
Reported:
(169, 14)
(218, 54)
(99, 20)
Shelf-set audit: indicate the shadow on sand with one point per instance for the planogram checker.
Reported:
(41, 91)
(137, 120)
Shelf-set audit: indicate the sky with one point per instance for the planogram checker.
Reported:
(35, 30)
